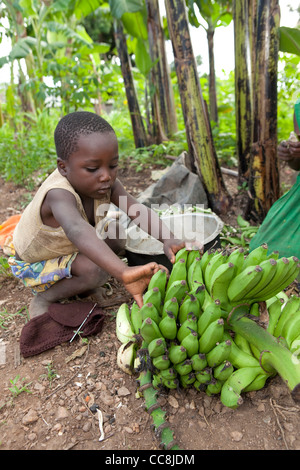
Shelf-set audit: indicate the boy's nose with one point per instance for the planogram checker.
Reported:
(105, 175)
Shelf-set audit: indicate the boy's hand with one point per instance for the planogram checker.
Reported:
(137, 278)
(171, 247)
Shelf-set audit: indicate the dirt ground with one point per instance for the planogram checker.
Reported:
(52, 407)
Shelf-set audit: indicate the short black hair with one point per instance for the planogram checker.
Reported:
(72, 126)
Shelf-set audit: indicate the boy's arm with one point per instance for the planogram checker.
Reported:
(148, 221)
(63, 207)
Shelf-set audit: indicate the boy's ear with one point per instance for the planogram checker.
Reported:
(61, 166)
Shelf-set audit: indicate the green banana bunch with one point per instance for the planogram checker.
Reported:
(124, 329)
(236, 383)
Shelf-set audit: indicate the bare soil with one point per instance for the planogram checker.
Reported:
(57, 414)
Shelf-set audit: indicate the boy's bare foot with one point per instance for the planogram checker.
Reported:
(38, 306)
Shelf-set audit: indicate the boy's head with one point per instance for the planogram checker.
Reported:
(72, 126)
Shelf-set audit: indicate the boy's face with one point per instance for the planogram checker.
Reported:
(92, 169)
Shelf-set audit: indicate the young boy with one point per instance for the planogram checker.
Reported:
(59, 253)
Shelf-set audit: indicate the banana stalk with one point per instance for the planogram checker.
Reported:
(157, 413)
(272, 352)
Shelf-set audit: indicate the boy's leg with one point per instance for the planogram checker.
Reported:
(87, 279)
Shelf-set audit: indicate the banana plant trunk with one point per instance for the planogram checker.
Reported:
(264, 172)
(213, 107)
(163, 98)
(139, 133)
(197, 125)
(243, 83)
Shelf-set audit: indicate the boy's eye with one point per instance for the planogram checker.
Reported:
(91, 170)
(115, 165)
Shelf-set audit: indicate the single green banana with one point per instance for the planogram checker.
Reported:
(256, 256)
(291, 328)
(223, 370)
(240, 359)
(136, 318)
(184, 367)
(161, 362)
(189, 324)
(199, 361)
(183, 253)
(242, 343)
(149, 310)
(189, 305)
(149, 330)
(178, 273)
(192, 255)
(157, 381)
(211, 313)
(258, 383)
(190, 343)
(211, 336)
(124, 327)
(212, 265)
(168, 373)
(254, 309)
(274, 311)
(291, 277)
(125, 357)
(194, 273)
(295, 347)
(172, 306)
(157, 347)
(214, 387)
(289, 308)
(236, 257)
(177, 353)
(199, 386)
(177, 289)
(220, 281)
(207, 255)
(285, 266)
(199, 292)
(243, 283)
(159, 279)
(153, 296)
(269, 267)
(236, 383)
(168, 326)
(171, 383)
(219, 353)
(204, 376)
(187, 379)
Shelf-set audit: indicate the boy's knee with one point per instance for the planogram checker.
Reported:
(92, 276)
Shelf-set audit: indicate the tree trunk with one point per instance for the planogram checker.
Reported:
(243, 82)
(197, 126)
(138, 128)
(163, 99)
(264, 173)
(213, 108)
